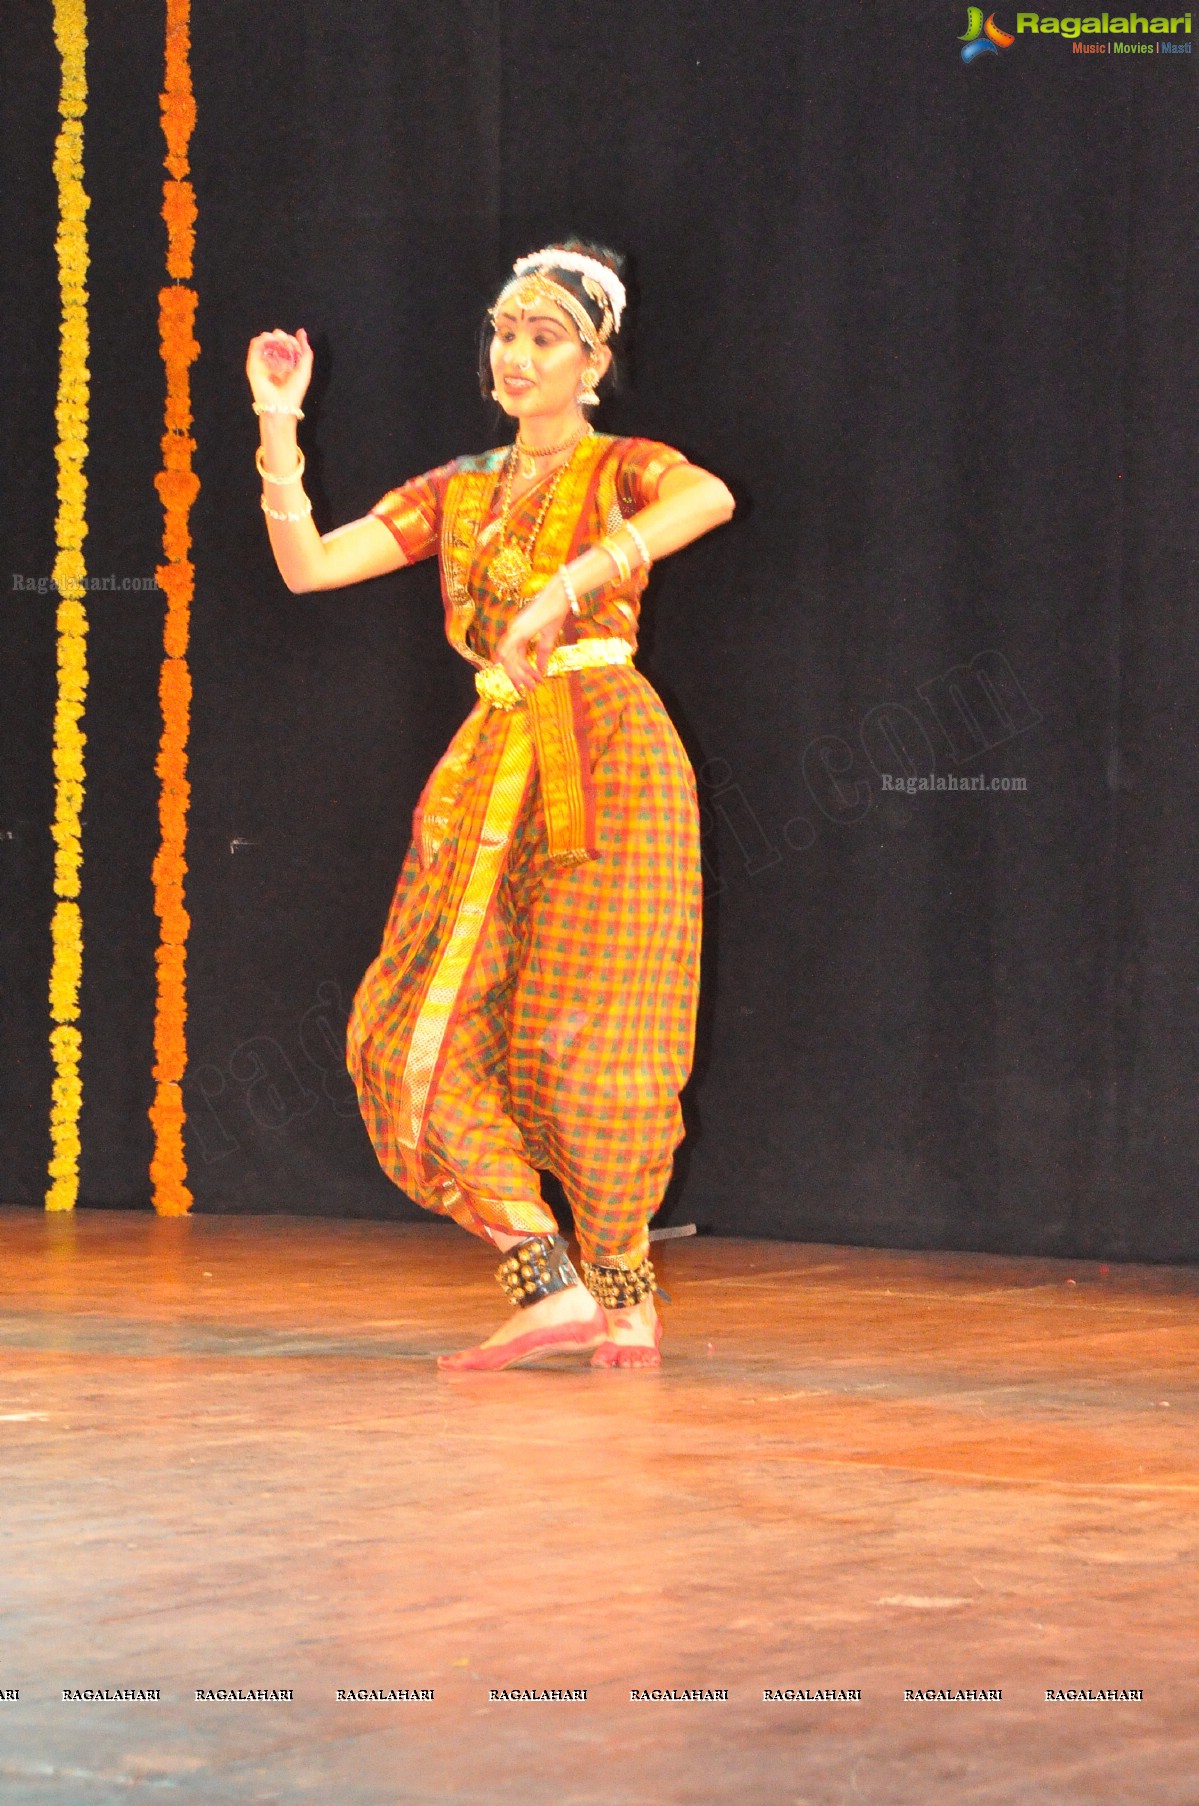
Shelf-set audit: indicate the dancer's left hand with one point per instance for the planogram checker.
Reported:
(534, 631)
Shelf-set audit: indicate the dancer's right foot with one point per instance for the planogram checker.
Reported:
(632, 1339)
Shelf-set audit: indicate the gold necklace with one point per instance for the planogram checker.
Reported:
(512, 566)
(529, 453)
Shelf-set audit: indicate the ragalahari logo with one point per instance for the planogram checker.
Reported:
(983, 39)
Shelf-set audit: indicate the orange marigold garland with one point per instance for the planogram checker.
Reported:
(70, 531)
(177, 486)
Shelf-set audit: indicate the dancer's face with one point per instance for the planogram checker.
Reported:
(537, 359)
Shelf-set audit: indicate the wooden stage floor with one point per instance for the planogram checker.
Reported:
(227, 1461)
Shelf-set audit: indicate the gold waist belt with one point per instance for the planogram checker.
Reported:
(496, 687)
(557, 719)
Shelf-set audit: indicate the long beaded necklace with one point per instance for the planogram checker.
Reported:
(512, 565)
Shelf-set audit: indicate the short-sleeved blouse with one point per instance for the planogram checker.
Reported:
(413, 513)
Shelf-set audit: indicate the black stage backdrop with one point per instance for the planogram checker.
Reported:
(930, 321)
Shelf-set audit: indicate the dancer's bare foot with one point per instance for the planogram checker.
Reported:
(574, 1305)
(636, 1324)
(568, 1322)
(632, 1339)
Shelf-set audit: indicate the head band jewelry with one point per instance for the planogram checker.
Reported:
(526, 291)
(532, 280)
(590, 269)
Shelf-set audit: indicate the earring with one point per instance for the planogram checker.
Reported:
(587, 397)
(495, 395)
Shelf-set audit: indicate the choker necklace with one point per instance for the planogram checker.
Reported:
(528, 453)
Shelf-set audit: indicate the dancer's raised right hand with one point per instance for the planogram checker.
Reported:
(279, 366)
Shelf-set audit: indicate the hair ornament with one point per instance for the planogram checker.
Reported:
(596, 275)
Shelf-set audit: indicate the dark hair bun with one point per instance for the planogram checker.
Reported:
(587, 247)
(571, 279)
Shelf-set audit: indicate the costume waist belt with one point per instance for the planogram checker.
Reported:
(496, 687)
(558, 722)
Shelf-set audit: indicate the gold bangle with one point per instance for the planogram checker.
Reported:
(270, 407)
(634, 535)
(269, 475)
(281, 514)
(624, 569)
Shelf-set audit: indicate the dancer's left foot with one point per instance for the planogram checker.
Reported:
(569, 1322)
(632, 1339)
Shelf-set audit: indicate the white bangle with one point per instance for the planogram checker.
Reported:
(269, 475)
(280, 514)
(271, 407)
(619, 557)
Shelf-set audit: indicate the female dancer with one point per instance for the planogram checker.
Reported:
(533, 1005)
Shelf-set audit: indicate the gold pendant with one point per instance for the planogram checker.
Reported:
(528, 467)
(509, 571)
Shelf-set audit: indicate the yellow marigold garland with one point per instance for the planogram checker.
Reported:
(70, 530)
(177, 486)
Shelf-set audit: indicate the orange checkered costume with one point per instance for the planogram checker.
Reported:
(532, 1007)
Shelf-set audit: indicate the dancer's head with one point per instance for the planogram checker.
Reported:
(548, 341)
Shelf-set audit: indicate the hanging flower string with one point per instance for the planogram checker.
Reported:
(70, 531)
(177, 486)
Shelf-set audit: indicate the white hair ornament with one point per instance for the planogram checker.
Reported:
(594, 273)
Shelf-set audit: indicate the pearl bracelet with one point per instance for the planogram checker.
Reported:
(634, 535)
(271, 407)
(571, 593)
(281, 514)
